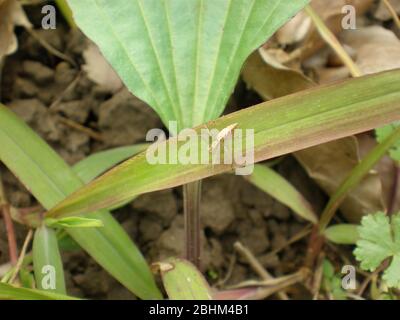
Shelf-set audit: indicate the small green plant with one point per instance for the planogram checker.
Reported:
(383, 133)
(379, 239)
(332, 282)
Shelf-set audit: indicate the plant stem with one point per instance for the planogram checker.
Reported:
(22, 256)
(256, 266)
(356, 175)
(5, 210)
(12, 242)
(331, 39)
(191, 207)
(392, 12)
(395, 189)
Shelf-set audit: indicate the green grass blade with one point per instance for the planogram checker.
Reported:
(50, 180)
(47, 263)
(183, 281)
(183, 57)
(279, 188)
(98, 163)
(280, 126)
(66, 12)
(9, 292)
(355, 176)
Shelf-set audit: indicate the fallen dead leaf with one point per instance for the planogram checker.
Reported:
(387, 170)
(99, 70)
(300, 28)
(270, 79)
(378, 49)
(382, 12)
(329, 164)
(12, 14)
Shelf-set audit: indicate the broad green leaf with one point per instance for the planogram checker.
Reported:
(342, 233)
(98, 163)
(379, 240)
(47, 263)
(50, 180)
(280, 126)
(74, 222)
(386, 131)
(183, 281)
(279, 188)
(183, 57)
(9, 292)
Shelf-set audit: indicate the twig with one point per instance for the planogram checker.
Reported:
(276, 285)
(68, 89)
(22, 255)
(331, 39)
(68, 122)
(256, 266)
(392, 12)
(354, 296)
(229, 271)
(318, 275)
(368, 278)
(298, 236)
(74, 125)
(12, 242)
(50, 48)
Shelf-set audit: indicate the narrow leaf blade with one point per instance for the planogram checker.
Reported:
(50, 180)
(279, 188)
(9, 292)
(280, 126)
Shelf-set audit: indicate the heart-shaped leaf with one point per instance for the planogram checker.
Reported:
(183, 57)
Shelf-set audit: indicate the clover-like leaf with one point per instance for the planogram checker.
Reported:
(379, 240)
(384, 132)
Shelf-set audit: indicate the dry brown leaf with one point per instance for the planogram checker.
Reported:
(12, 14)
(300, 27)
(99, 70)
(295, 30)
(386, 168)
(270, 79)
(378, 49)
(382, 12)
(329, 164)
